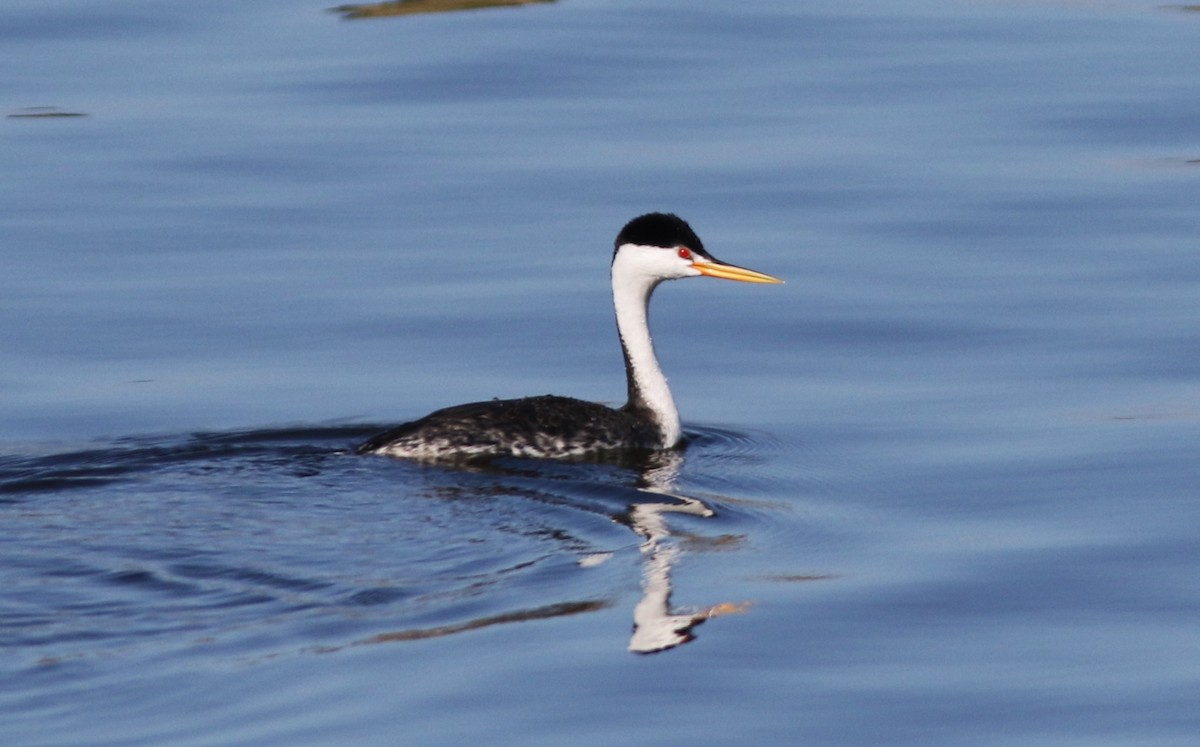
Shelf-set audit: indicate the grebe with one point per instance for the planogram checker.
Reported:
(648, 250)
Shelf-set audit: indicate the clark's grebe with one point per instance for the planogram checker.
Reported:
(648, 250)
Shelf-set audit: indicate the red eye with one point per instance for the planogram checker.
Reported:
(685, 253)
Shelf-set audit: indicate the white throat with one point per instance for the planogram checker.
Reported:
(648, 390)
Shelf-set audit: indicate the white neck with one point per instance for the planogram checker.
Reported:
(647, 385)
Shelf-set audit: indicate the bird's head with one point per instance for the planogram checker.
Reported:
(661, 246)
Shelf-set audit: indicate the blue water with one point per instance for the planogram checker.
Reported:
(941, 487)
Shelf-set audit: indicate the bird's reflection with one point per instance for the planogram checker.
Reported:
(656, 627)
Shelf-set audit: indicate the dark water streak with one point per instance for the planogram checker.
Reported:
(160, 543)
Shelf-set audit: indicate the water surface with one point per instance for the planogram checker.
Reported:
(941, 485)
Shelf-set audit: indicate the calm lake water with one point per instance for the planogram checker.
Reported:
(942, 486)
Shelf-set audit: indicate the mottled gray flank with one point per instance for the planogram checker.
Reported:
(547, 426)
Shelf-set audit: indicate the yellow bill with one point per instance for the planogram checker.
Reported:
(716, 269)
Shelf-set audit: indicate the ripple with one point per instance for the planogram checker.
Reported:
(778, 494)
(127, 547)
(279, 537)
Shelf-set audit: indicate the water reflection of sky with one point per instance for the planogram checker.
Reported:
(971, 412)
